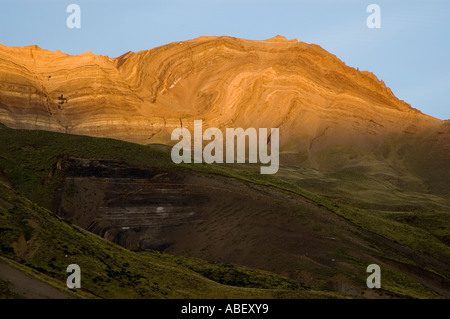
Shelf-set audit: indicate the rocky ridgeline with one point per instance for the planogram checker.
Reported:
(312, 96)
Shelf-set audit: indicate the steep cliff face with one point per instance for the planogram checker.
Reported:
(300, 88)
(78, 94)
(314, 98)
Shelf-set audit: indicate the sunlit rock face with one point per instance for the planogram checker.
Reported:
(317, 101)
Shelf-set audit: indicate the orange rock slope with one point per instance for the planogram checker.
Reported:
(313, 97)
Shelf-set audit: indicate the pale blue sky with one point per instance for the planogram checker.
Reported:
(410, 52)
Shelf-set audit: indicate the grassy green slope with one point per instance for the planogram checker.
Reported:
(42, 242)
(29, 159)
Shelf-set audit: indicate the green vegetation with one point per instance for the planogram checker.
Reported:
(40, 241)
(43, 242)
(426, 230)
(6, 293)
(229, 274)
(30, 158)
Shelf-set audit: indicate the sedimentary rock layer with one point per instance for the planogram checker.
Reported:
(316, 100)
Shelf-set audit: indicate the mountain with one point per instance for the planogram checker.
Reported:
(227, 82)
(363, 177)
(321, 106)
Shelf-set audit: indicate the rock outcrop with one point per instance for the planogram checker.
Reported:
(313, 97)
